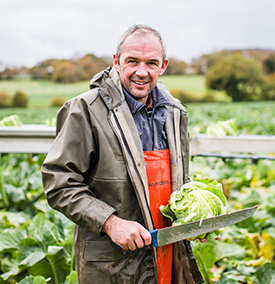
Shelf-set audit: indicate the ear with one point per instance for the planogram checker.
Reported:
(164, 66)
(115, 62)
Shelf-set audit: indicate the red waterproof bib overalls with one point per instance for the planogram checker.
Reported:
(159, 182)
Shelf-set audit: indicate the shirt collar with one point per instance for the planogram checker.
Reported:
(135, 105)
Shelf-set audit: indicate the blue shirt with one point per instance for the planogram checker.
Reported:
(150, 122)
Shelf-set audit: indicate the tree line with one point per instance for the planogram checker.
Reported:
(74, 70)
(247, 74)
(83, 68)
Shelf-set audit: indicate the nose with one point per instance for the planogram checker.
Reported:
(141, 70)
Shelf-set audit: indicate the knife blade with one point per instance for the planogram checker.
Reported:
(168, 235)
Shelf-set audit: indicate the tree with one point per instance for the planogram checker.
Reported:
(176, 67)
(43, 70)
(92, 64)
(67, 71)
(269, 64)
(242, 79)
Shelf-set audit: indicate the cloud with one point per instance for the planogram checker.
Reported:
(38, 30)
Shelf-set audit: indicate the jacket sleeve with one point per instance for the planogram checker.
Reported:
(71, 157)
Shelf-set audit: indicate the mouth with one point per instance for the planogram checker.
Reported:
(140, 83)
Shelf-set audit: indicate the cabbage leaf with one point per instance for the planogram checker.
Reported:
(196, 200)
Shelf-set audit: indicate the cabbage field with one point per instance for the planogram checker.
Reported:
(36, 242)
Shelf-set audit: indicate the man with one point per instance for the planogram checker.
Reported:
(100, 171)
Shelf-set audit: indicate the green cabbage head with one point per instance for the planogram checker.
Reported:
(196, 200)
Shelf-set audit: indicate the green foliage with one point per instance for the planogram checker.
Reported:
(20, 99)
(196, 200)
(269, 90)
(34, 239)
(33, 280)
(247, 248)
(5, 99)
(266, 274)
(271, 77)
(58, 101)
(51, 122)
(30, 116)
(265, 57)
(12, 120)
(242, 79)
(269, 64)
(47, 250)
(222, 128)
(20, 183)
(250, 117)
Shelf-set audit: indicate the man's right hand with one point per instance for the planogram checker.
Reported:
(127, 234)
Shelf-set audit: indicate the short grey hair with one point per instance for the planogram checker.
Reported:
(140, 29)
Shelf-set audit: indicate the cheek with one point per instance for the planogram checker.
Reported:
(126, 73)
(154, 75)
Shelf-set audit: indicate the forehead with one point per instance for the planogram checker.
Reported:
(146, 45)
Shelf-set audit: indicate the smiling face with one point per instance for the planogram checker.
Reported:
(140, 64)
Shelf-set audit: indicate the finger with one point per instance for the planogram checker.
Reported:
(132, 246)
(146, 237)
(139, 243)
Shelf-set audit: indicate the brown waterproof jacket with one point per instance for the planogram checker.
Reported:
(95, 168)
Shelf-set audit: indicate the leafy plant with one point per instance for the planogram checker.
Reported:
(222, 128)
(196, 200)
(20, 182)
(12, 120)
(36, 242)
(51, 122)
(42, 246)
(248, 247)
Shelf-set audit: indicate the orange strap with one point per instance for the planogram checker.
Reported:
(159, 182)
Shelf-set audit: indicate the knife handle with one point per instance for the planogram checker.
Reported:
(154, 234)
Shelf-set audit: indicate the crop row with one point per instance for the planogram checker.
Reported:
(250, 117)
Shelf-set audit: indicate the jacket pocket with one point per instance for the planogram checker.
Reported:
(103, 251)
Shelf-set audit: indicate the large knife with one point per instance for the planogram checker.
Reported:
(168, 235)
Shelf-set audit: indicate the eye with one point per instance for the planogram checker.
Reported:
(153, 63)
(132, 61)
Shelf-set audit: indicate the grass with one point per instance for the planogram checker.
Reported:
(194, 85)
(190, 83)
(40, 92)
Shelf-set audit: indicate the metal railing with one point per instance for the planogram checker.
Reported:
(39, 138)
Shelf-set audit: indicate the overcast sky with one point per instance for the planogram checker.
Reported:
(35, 30)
